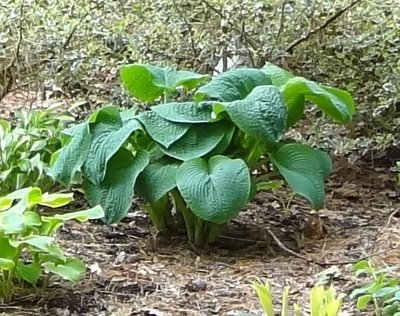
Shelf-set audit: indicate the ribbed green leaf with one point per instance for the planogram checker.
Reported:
(184, 112)
(199, 140)
(107, 138)
(262, 114)
(232, 85)
(305, 170)
(336, 103)
(161, 130)
(147, 83)
(114, 194)
(215, 190)
(157, 179)
(73, 156)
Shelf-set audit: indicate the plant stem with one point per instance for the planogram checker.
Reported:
(187, 214)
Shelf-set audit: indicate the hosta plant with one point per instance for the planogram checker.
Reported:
(28, 251)
(26, 149)
(195, 161)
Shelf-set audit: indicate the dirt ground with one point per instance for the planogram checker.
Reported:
(134, 271)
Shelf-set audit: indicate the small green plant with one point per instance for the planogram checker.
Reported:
(27, 248)
(196, 161)
(323, 302)
(383, 291)
(26, 149)
(398, 172)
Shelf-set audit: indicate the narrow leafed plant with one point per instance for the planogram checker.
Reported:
(193, 160)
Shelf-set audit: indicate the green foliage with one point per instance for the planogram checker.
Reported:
(383, 291)
(196, 157)
(26, 149)
(323, 302)
(27, 248)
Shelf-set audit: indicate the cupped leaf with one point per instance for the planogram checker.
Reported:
(107, 138)
(147, 83)
(199, 140)
(73, 156)
(336, 103)
(215, 190)
(262, 114)
(157, 179)
(114, 194)
(162, 130)
(305, 170)
(185, 112)
(232, 85)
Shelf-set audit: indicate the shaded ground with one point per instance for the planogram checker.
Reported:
(132, 271)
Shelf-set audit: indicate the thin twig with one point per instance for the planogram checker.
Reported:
(328, 21)
(322, 264)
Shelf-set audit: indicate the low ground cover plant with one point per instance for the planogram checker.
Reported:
(28, 252)
(26, 149)
(196, 161)
(323, 301)
(382, 290)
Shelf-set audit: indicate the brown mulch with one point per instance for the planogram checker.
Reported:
(133, 271)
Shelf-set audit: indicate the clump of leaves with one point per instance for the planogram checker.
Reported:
(383, 291)
(26, 149)
(323, 301)
(27, 248)
(195, 161)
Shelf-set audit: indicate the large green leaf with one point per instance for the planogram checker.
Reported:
(161, 130)
(198, 141)
(157, 179)
(233, 85)
(73, 156)
(115, 192)
(215, 190)
(278, 76)
(108, 136)
(336, 103)
(147, 83)
(185, 112)
(305, 170)
(262, 114)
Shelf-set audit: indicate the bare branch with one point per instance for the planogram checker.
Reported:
(328, 21)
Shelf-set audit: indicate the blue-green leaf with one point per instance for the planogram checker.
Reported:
(184, 112)
(305, 170)
(161, 130)
(215, 190)
(157, 179)
(114, 194)
(262, 114)
(73, 156)
(232, 85)
(199, 140)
